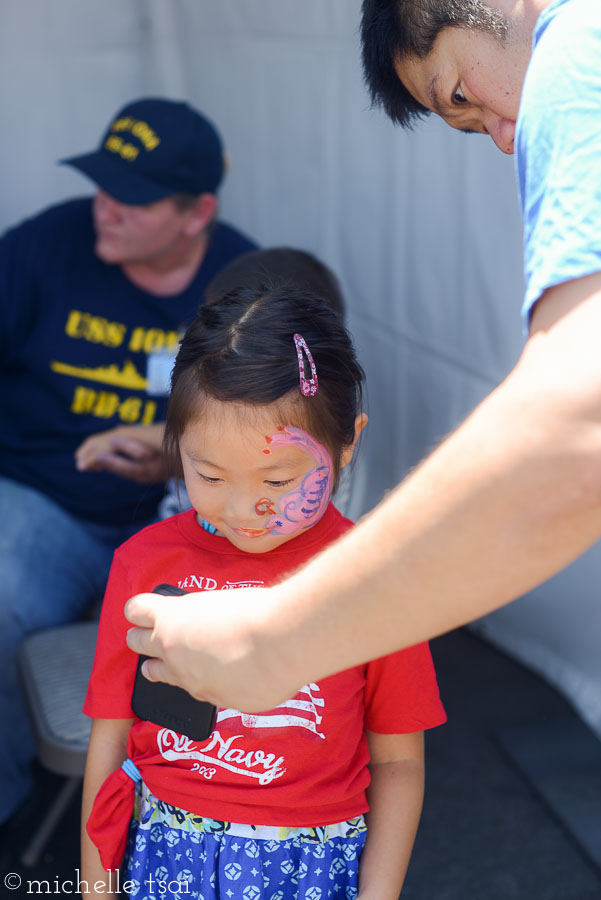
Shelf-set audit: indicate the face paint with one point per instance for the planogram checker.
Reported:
(264, 505)
(228, 477)
(305, 505)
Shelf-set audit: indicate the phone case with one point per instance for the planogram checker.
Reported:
(170, 706)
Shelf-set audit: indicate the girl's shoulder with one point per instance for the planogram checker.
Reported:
(154, 534)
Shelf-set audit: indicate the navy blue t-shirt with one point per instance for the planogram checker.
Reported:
(76, 338)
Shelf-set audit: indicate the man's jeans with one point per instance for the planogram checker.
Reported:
(53, 567)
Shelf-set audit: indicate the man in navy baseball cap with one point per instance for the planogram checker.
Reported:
(155, 148)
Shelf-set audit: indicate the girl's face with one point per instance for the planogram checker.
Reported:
(258, 482)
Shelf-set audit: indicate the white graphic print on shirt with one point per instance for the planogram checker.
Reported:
(220, 751)
(206, 583)
(301, 712)
(224, 752)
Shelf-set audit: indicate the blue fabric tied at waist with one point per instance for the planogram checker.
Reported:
(130, 768)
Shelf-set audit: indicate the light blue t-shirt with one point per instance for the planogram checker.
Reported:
(558, 146)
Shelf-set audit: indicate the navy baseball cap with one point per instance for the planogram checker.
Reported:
(155, 148)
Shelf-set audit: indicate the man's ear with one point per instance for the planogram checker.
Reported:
(200, 216)
(347, 453)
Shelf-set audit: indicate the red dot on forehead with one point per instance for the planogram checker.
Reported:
(267, 450)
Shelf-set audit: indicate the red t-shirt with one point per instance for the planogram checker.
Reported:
(304, 763)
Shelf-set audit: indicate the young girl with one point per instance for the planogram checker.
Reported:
(264, 412)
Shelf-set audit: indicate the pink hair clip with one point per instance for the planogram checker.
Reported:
(308, 386)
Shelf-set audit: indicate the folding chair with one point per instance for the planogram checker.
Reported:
(55, 665)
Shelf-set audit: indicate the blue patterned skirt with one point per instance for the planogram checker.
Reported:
(173, 854)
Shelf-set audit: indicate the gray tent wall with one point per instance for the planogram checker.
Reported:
(423, 228)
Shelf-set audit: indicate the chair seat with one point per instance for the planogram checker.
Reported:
(55, 666)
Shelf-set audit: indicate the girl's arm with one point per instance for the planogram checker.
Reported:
(107, 750)
(395, 798)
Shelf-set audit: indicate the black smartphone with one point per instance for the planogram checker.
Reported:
(170, 706)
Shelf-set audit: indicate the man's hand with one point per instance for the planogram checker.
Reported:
(219, 647)
(131, 451)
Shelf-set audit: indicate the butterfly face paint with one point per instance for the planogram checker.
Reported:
(302, 507)
(258, 492)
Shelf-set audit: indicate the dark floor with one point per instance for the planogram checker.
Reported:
(486, 833)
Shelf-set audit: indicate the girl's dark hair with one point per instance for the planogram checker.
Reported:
(278, 266)
(241, 349)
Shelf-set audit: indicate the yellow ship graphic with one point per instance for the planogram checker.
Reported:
(127, 377)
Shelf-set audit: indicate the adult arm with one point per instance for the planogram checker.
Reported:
(508, 500)
(131, 451)
(106, 752)
(395, 799)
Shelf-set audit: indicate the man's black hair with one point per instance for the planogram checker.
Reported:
(393, 29)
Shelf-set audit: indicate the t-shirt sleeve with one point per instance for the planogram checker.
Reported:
(559, 154)
(401, 693)
(114, 669)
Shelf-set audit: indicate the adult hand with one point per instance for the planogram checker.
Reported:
(131, 451)
(221, 648)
